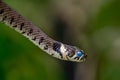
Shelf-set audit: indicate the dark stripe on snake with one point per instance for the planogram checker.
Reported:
(30, 31)
(56, 47)
(4, 18)
(14, 26)
(34, 38)
(1, 11)
(41, 40)
(76, 58)
(23, 32)
(12, 19)
(21, 26)
(46, 47)
(71, 54)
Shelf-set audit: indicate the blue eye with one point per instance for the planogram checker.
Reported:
(79, 54)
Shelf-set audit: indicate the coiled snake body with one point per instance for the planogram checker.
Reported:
(57, 49)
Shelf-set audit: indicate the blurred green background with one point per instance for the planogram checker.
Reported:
(92, 25)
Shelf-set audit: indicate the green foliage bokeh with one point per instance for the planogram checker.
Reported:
(22, 60)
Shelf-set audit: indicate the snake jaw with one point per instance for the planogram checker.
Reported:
(72, 53)
(80, 56)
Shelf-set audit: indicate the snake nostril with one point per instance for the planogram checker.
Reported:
(85, 56)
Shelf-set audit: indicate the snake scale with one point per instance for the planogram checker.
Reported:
(55, 48)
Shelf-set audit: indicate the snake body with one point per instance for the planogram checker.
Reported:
(55, 48)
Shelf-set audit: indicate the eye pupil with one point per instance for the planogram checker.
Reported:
(79, 54)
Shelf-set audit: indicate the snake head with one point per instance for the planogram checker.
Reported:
(75, 54)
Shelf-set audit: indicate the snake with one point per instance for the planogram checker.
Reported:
(14, 20)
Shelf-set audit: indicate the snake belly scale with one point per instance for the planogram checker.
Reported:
(55, 48)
